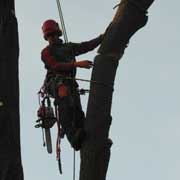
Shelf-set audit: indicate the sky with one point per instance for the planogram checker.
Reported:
(146, 100)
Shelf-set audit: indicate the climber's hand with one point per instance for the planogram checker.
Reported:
(84, 64)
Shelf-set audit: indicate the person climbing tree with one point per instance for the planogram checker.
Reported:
(59, 60)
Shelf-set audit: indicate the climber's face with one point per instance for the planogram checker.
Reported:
(53, 38)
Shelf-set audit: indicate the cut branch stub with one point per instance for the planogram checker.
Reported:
(129, 18)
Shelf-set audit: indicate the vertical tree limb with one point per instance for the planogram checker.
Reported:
(10, 153)
(95, 154)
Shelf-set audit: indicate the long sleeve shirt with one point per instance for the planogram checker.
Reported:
(59, 57)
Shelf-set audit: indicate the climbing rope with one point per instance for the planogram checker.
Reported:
(73, 85)
(58, 141)
(85, 80)
(62, 21)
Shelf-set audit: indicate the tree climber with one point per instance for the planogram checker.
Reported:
(59, 60)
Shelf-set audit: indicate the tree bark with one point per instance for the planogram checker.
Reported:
(10, 153)
(95, 153)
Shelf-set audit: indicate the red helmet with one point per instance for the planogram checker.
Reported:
(51, 26)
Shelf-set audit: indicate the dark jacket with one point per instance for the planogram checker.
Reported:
(58, 58)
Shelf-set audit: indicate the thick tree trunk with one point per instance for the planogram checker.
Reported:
(10, 154)
(95, 154)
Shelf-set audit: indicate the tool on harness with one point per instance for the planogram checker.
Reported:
(46, 119)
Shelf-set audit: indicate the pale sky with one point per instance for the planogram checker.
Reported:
(146, 101)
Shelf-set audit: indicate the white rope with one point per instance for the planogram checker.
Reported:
(62, 20)
(66, 41)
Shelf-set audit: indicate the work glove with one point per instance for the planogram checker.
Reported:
(84, 64)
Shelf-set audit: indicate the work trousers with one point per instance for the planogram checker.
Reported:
(71, 115)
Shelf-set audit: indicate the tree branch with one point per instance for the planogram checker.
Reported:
(95, 154)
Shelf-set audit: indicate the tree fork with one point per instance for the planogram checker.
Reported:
(95, 153)
(10, 154)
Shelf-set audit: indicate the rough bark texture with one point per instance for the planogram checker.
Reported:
(10, 154)
(95, 154)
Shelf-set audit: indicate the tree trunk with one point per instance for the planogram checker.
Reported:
(10, 154)
(95, 153)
